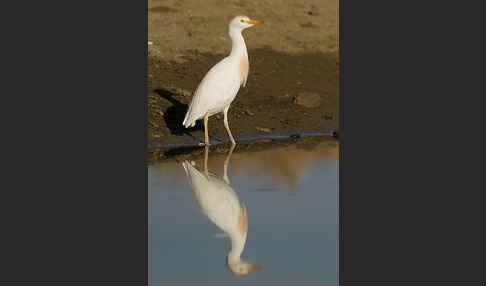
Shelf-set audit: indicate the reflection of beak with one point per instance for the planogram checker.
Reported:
(254, 22)
(254, 268)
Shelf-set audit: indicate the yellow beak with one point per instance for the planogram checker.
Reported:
(254, 268)
(254, 22)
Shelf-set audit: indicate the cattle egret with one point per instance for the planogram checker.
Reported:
(220, 203)
(220, 85)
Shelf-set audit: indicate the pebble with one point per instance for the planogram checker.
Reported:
(262, 129)
(154, 124)
(248, 112)
(308, 99)
(184, 92)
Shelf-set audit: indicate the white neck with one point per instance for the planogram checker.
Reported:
(238, 46)
(237, 246)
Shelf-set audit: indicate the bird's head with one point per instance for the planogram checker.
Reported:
(243, 22)
(241, 267)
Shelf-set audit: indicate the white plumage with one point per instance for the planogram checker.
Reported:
(220, 203)
(220, 85)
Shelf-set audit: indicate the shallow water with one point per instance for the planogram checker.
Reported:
(216, 141)
(291, 198)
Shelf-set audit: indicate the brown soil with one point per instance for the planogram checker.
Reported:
(294, 52)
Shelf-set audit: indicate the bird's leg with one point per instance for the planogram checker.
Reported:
(206, 151)
(226, 163)
(226, 125)
(206, 137)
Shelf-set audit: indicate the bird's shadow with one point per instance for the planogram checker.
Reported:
(174, 115)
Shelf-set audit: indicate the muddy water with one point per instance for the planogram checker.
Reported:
(291, 200)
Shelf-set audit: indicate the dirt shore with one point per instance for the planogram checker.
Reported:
(178, 154)
(292, 86)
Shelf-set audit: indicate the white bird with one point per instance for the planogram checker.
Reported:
(220, 203)
(220, 85)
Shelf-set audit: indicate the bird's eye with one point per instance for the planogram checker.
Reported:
(242, 21)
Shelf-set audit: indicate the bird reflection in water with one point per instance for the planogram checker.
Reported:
(220, 203)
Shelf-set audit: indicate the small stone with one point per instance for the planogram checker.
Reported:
(181, 91)
(160, 112)
(329, 116)
(248, 112)
(185, 92)
(262, 129)
(154, 124)
(308, 99)
(156, 136)
(218, 116)
(150, 43)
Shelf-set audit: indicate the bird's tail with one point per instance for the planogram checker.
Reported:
(188, 120)
(192, 172)
(188, 167)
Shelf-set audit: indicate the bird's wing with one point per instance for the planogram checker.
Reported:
(222, 205)
(218, 82)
